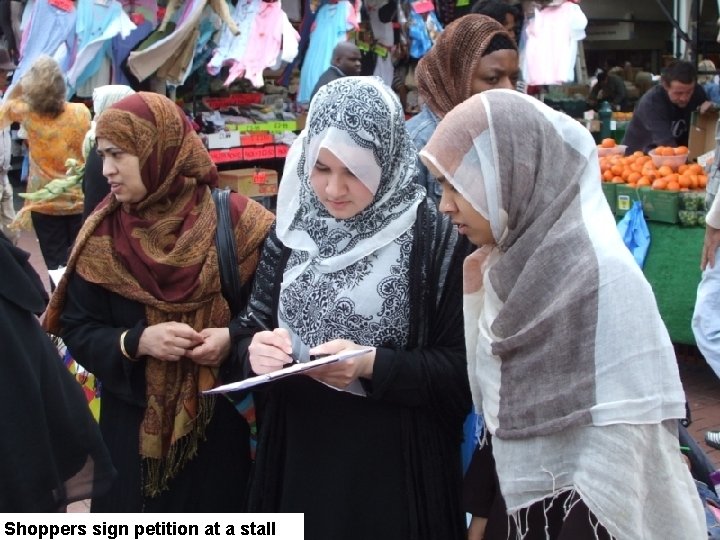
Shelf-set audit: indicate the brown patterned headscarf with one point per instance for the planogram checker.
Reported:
(161, 253)
(444, 75)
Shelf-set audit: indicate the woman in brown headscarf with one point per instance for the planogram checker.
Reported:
(141, 306)
(473, 54)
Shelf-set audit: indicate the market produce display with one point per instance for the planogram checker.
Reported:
(670, 189)
(666, 169)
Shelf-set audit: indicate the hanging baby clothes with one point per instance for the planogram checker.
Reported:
(385, 36)
(233, 46)
(332, 22)
(263, 45)
(145, 62)
(96, 24)
(144, 14)
(551, 46)
(51, 31)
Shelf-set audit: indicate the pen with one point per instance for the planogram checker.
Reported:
(254, 318)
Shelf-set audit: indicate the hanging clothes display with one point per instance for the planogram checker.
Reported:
(550, 43)
(423, 29)
(266, 35)
(161, 47)
(51, 31)
(233, 46)
(332, 22)
(144, 14)
(96, 25)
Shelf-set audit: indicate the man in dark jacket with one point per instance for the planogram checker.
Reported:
(346, 61)
(610, 88)
(662, 116)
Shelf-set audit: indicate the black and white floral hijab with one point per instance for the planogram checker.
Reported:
(348, 278)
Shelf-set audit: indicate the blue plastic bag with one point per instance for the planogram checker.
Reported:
(634, 231)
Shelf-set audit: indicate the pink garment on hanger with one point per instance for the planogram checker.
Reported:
(551, 48)
(263, 46)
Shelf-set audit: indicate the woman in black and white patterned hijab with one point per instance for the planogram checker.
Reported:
(367, 447)
(346, 206)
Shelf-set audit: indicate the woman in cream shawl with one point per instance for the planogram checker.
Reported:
(568, 358)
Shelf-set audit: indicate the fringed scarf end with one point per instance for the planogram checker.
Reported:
(157, 473)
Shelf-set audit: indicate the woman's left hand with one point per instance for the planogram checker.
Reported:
(214, 349)
(341, 374)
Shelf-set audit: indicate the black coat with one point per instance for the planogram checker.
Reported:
(51, 448)
(214, 480)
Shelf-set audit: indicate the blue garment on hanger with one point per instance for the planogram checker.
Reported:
(331, 27)
(420, 42)
(121, 49)
(50, 29)
(93, 19)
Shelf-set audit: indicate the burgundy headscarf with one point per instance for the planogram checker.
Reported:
(151, 235)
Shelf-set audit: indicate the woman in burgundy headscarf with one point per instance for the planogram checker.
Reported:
(141, 307)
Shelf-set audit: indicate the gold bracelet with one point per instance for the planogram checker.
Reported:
(122, 345)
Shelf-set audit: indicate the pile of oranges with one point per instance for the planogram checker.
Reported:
(607, 143)
(638, 170)
(671, 151)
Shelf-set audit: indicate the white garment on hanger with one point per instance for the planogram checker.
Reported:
(290, 43)
(551, 46)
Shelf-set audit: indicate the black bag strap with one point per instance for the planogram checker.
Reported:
(232, 290)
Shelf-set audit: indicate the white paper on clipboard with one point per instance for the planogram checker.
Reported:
(286, 372)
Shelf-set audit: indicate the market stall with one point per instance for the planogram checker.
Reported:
(671, 192)
(672, 267)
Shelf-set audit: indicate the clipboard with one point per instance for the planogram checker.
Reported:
(286, 372)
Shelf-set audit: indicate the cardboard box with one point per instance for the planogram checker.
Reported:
(702, 133)
(254, 182)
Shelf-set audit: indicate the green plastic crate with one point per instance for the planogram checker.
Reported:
(610, 192)
(660, 205)
(657, 205)
(624, 197)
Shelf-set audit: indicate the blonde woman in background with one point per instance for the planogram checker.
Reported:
(55, 131)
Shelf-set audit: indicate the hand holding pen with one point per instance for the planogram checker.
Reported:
(270, 350)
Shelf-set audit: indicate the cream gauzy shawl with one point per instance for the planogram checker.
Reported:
(568, 358)
(349, 278)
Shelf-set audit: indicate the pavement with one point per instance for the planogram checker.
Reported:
(701, 385)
